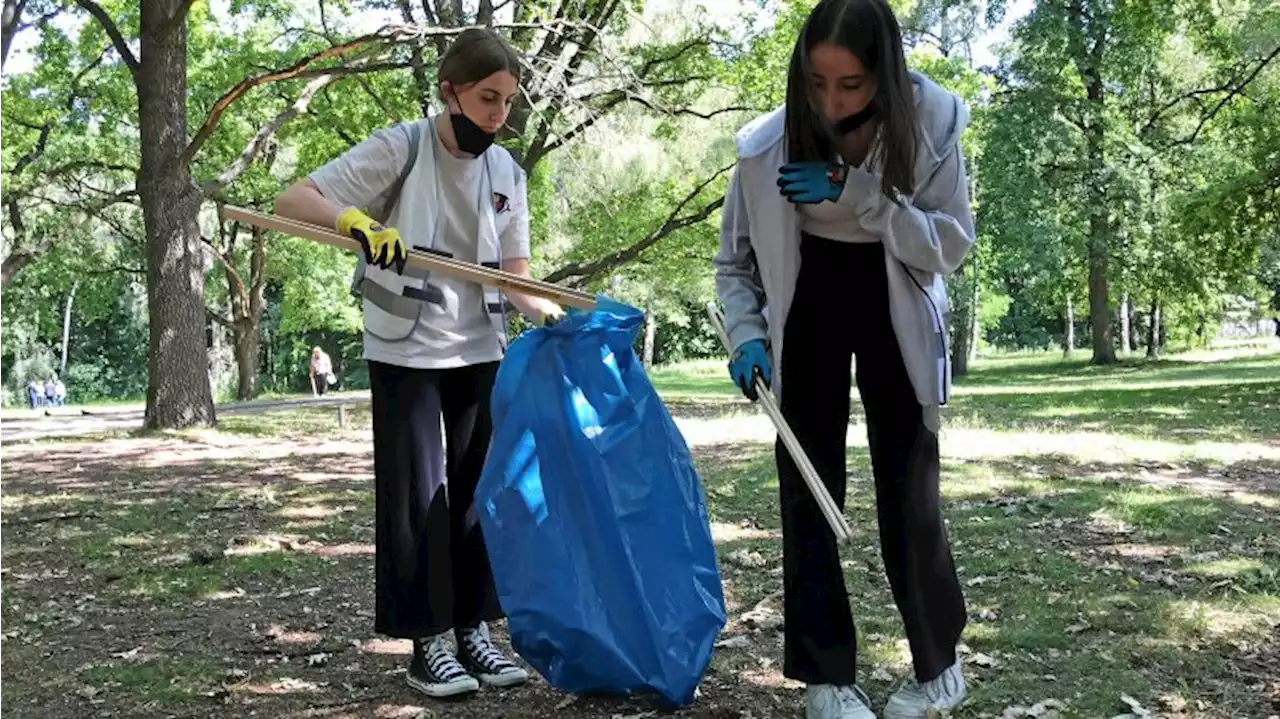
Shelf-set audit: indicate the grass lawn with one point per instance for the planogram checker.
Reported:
(1117, 531)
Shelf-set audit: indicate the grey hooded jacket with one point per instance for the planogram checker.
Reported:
(925, 238)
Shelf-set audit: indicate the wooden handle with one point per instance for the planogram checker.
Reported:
(459, 269)
(830, 510)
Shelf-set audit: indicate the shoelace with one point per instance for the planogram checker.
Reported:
(441, 664)
(850, 698)
(484, 653)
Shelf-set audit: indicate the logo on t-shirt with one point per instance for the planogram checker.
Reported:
(500, 203)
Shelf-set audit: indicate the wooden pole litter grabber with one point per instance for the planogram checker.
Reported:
(835, 518)
(459, 269)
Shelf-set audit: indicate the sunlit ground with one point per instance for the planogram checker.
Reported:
(1116, 531)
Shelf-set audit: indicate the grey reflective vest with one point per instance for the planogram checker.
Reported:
(394, 301)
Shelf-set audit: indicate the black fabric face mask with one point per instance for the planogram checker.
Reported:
(844, 126)
(853, 122)
(472, 139)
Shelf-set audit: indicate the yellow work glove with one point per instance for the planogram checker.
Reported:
(382, 245)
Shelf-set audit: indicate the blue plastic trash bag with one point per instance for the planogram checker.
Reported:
(594, 516)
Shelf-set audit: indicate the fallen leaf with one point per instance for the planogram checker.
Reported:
(747, 558)
(1047, 709)
(975, 581)
(317, 659)
(736, 642)
(1078, 627)
(129, 654)
(881, 675)
(1135, 705)
(983, 660)
(569, 700)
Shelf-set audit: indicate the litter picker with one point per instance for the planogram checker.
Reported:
(459, 269)
(835, 518)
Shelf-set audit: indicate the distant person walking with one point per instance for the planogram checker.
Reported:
(321, 366)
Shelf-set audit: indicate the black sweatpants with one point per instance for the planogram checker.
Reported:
(432, 567)
(841, 310)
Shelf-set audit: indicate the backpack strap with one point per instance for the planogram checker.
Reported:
(414, 133)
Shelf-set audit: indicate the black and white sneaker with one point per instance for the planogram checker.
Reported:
(436, 672)
(482, 658)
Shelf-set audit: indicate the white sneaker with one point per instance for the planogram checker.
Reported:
(828, 701)
(482, 658)
(930, 699)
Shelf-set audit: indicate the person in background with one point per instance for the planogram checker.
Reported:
(35, 393)
(60, 393)
(51, 392)
(322, 367)
(847, 208)
(433, 344)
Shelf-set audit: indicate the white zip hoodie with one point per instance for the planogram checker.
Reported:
(925, 239)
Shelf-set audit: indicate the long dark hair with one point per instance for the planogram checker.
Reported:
(869, 30)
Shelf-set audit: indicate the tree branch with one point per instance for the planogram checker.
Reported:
(1207, 117)
(113, 32)
(223, 321)
(227, 263)
(115, 269)
(180, 13)
(264, 135)
(12, 23)
(580, 272)
(297, 71)
(17, 259)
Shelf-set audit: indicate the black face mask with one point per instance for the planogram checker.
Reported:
(854, 121)
(472, 139)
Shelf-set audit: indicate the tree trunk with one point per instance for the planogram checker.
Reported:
(248, 303)
(66, 328)
(1088, 44)
(1124, 324)
(247, 346)
(1133, 327)
(975, 320)
(1104, 351)
(961, 327)
(178, 392)
(9, 27)
(1069, 332)
(650, 335)
(1153, 331)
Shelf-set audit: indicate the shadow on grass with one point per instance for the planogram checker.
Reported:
(1229, 412)
(1171, 593)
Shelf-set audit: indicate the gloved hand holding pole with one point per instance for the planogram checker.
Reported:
(835, 518)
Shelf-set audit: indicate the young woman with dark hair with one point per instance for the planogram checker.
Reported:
(847, 208)
(433, 345)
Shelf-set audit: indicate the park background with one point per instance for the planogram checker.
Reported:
(191, 535)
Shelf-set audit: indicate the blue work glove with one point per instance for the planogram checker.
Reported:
(811, 182)
(749, 358)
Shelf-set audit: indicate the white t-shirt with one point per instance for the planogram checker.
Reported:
(835, 220)
(458, 332)
(322, 365)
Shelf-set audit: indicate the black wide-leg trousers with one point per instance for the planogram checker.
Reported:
(432, 569)
(841, 311)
